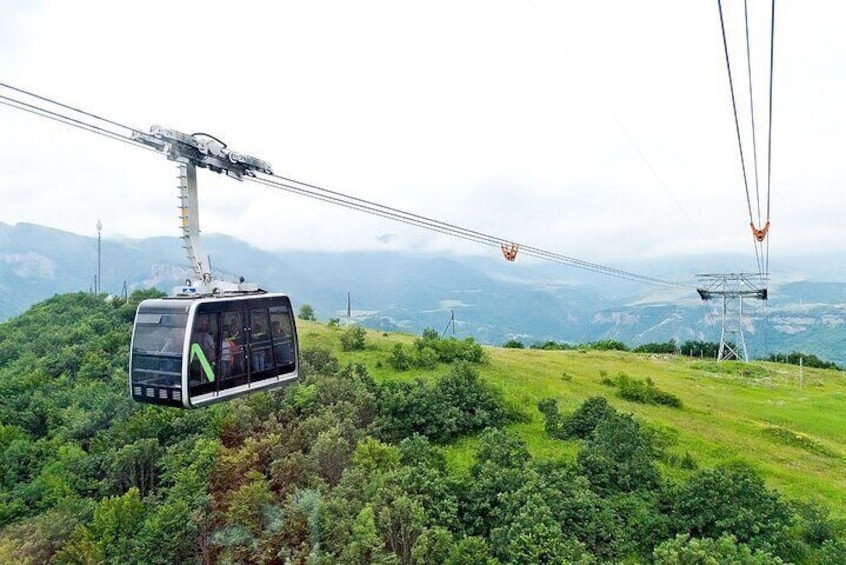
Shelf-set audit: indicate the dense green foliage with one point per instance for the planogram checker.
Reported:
(353, 338)
(808, 360)
(552, 346)
(457, 404)
(345, 468)
(644, 391)
(306, 312)
(430, 349)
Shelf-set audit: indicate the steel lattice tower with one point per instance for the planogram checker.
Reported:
(732, 288)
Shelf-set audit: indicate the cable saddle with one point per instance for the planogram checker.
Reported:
(203, 151)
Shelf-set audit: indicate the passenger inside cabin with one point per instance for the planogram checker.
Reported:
(233, 343)
(259, 356)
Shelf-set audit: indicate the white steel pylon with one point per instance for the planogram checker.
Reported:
(732, 288)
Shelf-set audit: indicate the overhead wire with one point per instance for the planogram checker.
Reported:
(67, 120)
(758, 258)
(338, 198)
(341, 199)
(67, 106)
(752, 109)
(770, 126)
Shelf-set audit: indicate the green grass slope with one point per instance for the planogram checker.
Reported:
(793, 432)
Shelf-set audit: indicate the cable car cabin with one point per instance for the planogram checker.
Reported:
(189, 352)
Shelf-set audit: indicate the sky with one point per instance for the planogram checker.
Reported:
(600, 130)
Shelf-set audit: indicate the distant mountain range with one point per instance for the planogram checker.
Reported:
(493, 300)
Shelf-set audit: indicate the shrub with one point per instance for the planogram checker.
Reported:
(662, 348)
(457, 404)
(726, 549)
(645, 392)
(353, 338)
(513, 344)
(552, 346)
(581, 423)
(450, 349)
(618, 457)
(430, 349)
(399, 359)
(732, 500)
(608, 345)
(553, 422)
(807, 360)
(319, 360)
(425, 358)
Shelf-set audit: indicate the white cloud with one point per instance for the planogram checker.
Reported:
(526, 120)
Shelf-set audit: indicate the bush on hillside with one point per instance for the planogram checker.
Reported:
(807, 360)
(732, 500)
(618, 457)
(684, 550)
(553, 422)
(353, 338)
(608, 345)
(430, 349)
(457, 404)
(581, 423)
(669, 347)
(552, 346)
(644, 392)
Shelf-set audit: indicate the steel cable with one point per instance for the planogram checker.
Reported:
(337, 198)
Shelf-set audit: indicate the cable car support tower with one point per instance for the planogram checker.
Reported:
(190, 152)
(732, 288)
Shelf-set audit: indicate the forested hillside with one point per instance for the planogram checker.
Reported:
(397, 449)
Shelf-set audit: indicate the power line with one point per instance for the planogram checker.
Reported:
(770, 126)
(340, 199)
(344, 200)
(55, 116)
(752, 108)
(66, 106)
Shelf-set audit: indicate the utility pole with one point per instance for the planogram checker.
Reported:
(801, 373)
(99, 283)
(732, 288)
(451, 322)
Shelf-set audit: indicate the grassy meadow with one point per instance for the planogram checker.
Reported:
(793, 431)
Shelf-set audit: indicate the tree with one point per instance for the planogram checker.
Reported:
(618, 457)
(500, 468)
(684, 550)
(732, 500)
(306, 312)
(365, 545)
(532, 536)
(112, 536)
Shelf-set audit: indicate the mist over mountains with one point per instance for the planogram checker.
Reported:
(492, 300)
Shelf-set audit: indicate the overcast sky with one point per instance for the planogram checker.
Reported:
(601, 130)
